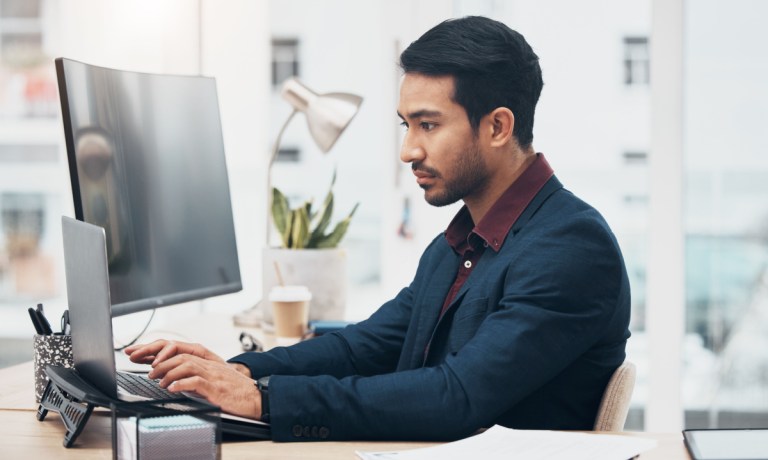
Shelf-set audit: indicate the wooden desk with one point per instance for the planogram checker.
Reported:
(22, 436)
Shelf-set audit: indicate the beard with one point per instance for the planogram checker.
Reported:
(469, 175)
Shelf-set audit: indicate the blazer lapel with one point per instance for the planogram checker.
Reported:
(431, 302)
(428, 326)
(486, 263)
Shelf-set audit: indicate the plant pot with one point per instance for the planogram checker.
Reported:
(323, 271)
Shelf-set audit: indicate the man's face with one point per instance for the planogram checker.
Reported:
(439, 143)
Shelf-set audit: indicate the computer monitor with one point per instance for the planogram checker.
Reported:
(146, 162)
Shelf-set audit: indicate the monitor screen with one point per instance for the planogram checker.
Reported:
(146, 161)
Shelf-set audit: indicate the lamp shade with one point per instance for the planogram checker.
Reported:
(327, 114)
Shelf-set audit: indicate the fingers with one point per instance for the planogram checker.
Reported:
(193, 384)
(145, 353)
(170, 350)
(161, 350)
(219, 384)
(177, 368)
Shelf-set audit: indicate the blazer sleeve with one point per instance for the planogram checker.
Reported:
(370, 347)
(560, 291)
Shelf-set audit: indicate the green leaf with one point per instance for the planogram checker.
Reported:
(325, 214)
(332, 240)
(295, 225)
(300, 230)
(308, 206)
(281, 215)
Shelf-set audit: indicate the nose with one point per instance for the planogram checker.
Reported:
(411, 151)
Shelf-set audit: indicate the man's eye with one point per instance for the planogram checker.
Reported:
(404, 125)
(426, 126)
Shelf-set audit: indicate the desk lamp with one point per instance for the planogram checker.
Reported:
(327, 117)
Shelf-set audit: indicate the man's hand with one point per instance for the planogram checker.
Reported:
(216, 381)
(160, 350)
(193, 368)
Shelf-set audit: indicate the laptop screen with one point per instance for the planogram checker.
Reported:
(85, 262)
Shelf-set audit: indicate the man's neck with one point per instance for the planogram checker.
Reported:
(504, 176)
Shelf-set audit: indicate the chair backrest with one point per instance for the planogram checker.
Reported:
(615, 403)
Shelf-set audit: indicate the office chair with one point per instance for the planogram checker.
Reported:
(614, 405)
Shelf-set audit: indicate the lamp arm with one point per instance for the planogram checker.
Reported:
(272, 157)
(276, 146)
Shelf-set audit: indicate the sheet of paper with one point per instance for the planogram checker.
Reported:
(505, 443)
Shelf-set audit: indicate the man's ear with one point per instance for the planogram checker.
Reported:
(501, 125)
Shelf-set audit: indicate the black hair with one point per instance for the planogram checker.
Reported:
(492, 66)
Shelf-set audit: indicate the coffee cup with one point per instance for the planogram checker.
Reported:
(290, 310)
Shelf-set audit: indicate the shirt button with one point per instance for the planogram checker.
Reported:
(468, 264)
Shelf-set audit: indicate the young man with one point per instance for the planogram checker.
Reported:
(517, 314)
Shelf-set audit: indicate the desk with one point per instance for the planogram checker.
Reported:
(22, 436)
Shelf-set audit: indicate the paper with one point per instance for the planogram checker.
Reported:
(505, 443)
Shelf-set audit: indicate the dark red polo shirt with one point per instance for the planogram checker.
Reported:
(470, 240)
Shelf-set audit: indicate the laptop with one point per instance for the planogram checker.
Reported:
(87, 274)
(727, 443)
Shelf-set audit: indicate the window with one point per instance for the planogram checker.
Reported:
(635, 158)
(31, 153)
(288, 155)
(25, 269)
(285, 60)
(725, 380)
(27, 81)
(636, 61)
(20, 8)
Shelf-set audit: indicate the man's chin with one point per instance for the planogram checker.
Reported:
(436, 199)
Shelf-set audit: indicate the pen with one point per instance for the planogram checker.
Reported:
(44, 324)
(65, 327)
(35, 321)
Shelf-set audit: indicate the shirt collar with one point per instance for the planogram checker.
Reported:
(495, 225)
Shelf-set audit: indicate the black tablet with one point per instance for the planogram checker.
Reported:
(727, 444)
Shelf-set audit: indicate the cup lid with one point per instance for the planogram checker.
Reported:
(289, 293)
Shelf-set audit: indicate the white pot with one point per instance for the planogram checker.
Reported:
(323, 271)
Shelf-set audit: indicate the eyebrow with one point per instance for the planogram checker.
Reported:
(421, 114)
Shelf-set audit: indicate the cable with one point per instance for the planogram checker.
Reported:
(135, 339)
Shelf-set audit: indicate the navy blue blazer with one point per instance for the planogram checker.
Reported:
(530, 341)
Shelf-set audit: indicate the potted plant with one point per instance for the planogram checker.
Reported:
(309, 254)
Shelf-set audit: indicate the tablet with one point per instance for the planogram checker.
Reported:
(723, 444)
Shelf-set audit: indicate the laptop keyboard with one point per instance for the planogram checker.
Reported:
(142, 386)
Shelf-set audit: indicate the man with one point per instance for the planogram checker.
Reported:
(517, 314)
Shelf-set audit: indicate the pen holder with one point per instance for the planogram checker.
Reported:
(53, 349)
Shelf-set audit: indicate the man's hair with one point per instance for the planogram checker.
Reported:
(492, 66)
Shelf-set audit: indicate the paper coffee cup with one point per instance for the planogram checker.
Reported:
(290, 309)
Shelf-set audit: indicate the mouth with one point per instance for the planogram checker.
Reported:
(422, 177)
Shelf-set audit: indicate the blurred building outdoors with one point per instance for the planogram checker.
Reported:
(594, 122)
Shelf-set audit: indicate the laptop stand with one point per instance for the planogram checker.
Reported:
(74, 399)
(70, 396)
(73, 413)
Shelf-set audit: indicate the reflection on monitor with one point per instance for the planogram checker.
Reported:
(146, 161)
